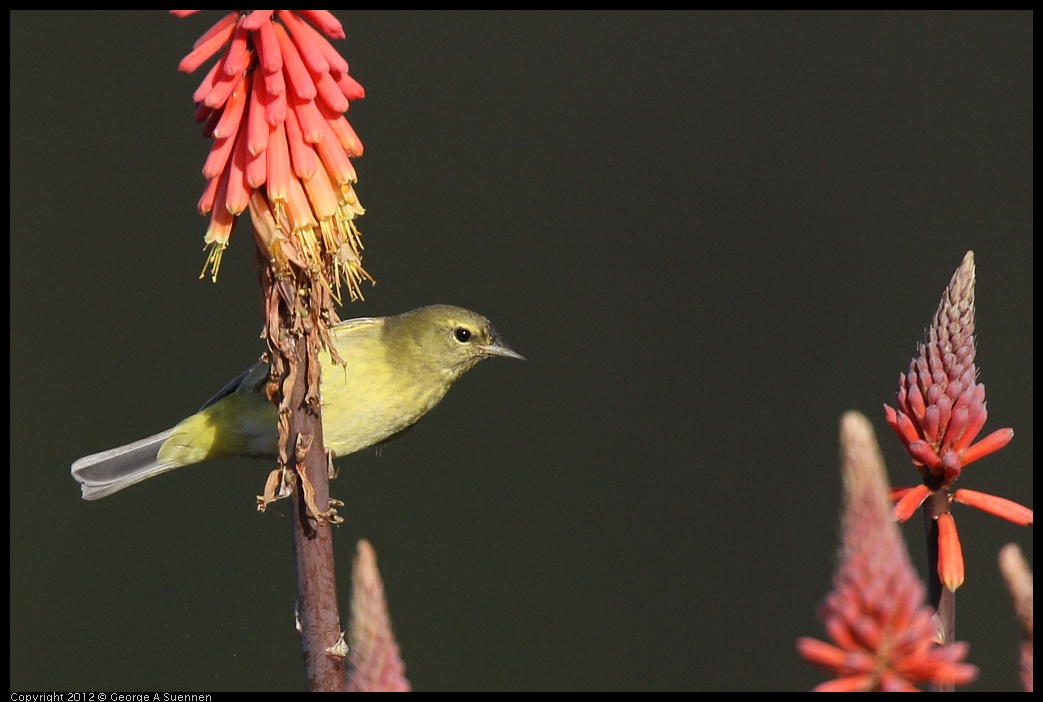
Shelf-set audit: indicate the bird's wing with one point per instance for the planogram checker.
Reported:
(253, 379)
(249, 380)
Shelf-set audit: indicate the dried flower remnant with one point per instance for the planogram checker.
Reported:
(375, 664)
(940, 412)
(883, 635)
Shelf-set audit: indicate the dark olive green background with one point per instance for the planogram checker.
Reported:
(711, 234)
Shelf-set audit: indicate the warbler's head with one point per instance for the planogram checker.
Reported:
(447, 339)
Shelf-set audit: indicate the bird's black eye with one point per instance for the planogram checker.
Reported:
(462, 335)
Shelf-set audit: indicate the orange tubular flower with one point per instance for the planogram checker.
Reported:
(883, 635)
(941, 411)
(274, 104)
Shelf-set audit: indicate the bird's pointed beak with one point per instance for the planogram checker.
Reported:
(499, 348)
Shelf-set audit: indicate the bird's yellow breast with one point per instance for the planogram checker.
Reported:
(380, 390)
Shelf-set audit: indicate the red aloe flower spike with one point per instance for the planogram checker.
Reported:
(884, 637)
(374, 662)
(1018, 576)
(941, 409)
(278, 90)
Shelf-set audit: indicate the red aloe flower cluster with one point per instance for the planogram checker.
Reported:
(1018, 575)
(274, 104)
(374, 662)
(884, 638)
(941, 410)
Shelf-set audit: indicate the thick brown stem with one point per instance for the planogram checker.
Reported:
(317, 609)
(301, 451)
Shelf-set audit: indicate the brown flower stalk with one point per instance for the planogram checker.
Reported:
(1018, 577)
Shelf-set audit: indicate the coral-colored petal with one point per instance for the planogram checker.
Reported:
(990, 444)
(336, 62)
(998, 506)
(221, 222)
(898, 493)
(278, 165)
(345, 134)
(256, 19)
(910, 501)
(958, 424)
(976, 420)
(206, 85)
(206, 200)
(238, 195)
(256, 169)
(321, 194)
(238, 57)
(276, 108)
(330, 93)
(931, 423)
(209, 44)
(324, 20)
(351, 88)
(333, 157)
(305, 38)
(310, 119)
(232, 115)
(908, 428)
(256, 125)
(922, 452)
(821, 653)
(302, 155)
(216, 161)
(268, 49)
(293, 66)
(223, 87)
(950, 553)
(916, 403)
(298, 208)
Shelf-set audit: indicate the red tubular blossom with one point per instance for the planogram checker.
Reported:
(910, 502)
(308, 40)
(940, 412)
(238, 57)
(950, 553)
(293, 66)
(324, 20)
(990, 444)
(997, 506)
(209, 44)
(279, 90)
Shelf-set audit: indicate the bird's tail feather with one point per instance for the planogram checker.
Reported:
(104, 473)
